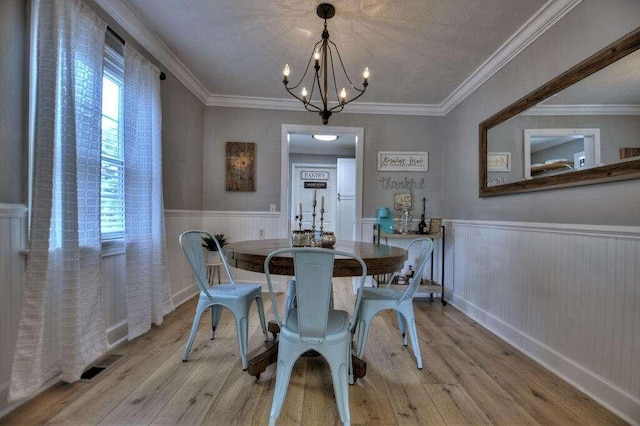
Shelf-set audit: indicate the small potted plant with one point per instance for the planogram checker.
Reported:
(212, 250)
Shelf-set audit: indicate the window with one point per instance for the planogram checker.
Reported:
(112, 158)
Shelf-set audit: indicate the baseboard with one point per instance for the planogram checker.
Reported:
(607, 394)
(117, 333)
(184, 295)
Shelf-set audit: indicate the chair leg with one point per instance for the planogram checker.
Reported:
(216, 312)
(402, 326)
(341, 389)
(262, 320)
(413, 334)
(194, 328)
(242, 329)
(363, 332)
(283, 375)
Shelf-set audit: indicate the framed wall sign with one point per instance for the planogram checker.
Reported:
(499, 161)
(403, 161)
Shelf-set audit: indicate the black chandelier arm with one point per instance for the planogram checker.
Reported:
(341, 105)
(333, 72)
(306, 70)
(344, 70)
(306, 104)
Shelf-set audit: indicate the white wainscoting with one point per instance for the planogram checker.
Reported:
(13, 237)
(236, 226)
(114, 280)
(567, 295)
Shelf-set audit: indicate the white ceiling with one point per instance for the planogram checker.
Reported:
(425, 56)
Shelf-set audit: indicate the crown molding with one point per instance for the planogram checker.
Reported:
(544, 18)
(548, 15)
(128, 19)
(583, 110)
(295, 105)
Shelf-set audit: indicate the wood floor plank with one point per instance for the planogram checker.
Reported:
(455, 405)
(534, 398)
(470, 376)
(193, 399)
(409, 400)
(494, 401)
(576, 401)
(143, 356)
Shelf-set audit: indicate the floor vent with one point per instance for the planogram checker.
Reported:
(99, 367)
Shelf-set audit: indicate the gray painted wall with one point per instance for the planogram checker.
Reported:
(595, 24)
(13, 16)
(182, 146)
(382, 133)
(183, 118)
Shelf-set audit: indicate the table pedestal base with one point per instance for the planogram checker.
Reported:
(260, 362)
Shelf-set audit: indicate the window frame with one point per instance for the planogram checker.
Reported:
(114, 242)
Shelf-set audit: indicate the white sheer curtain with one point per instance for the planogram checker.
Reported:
(148, 290)
(61, 328)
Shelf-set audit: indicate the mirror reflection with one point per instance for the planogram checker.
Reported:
(555, 151)
(594, 122)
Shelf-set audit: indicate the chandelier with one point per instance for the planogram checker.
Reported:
(323, 57)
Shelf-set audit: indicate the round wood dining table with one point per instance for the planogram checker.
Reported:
(250, 256)
(379, 258)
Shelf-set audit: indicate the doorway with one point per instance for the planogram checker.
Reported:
(298, 147)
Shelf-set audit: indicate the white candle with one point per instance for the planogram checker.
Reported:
(322, 203)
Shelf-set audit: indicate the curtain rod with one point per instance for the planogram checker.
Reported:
(110, 30)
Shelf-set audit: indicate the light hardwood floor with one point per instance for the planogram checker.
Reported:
(470, 377)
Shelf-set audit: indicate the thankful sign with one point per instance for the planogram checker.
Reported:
(403, 161)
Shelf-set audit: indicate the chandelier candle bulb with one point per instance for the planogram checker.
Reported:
(304, 94)
(365, 74)
(286, 73)
(343, 95)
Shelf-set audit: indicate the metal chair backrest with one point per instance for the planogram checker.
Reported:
(191, 245)
(314, 271)
(426, 249)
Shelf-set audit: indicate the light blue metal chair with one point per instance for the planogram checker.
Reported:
(375, 300)
(311, 324)
(237, 297)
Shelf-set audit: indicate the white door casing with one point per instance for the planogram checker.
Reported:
(285, 181)
(346, 199)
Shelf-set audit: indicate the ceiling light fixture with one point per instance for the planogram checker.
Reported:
(327, 138)
(323, 58)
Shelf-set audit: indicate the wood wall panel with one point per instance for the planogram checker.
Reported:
(568, 295)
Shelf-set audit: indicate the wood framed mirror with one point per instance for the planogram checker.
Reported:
(601, 93)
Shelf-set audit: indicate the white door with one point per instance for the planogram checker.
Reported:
(346, 199)
(308, 181)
